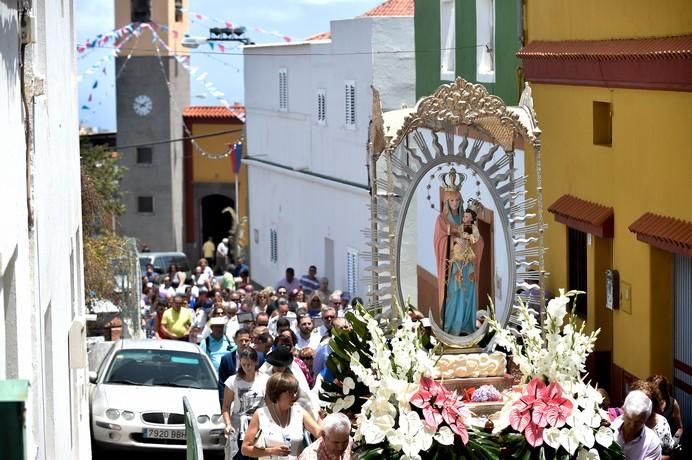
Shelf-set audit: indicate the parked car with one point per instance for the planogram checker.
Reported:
(136, 400)
(162, 260)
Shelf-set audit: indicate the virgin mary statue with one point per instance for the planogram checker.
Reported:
(458, 250)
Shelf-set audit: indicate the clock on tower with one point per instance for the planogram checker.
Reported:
(152, 90)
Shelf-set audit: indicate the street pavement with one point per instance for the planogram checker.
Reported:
(120, 455)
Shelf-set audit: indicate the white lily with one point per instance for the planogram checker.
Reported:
(591, 454)
(348, 385)
(375, 429)
(444, 436)
(551, 436)
(343, 404)
(569, 440)
(604, 436)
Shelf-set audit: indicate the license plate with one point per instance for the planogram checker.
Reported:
(163, 434)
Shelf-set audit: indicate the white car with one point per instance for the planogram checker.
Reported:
(136, 401)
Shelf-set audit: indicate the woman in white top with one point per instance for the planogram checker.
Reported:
(276, 430)
(243, 394)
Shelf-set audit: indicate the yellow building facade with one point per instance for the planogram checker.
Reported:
(211, 185)
(612, 89)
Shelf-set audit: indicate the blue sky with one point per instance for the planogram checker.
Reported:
(294, 18)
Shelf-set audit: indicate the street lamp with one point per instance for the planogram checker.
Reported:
(219, 34)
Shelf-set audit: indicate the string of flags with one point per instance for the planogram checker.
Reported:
(99, 67)
(156, 41)
(208, 86)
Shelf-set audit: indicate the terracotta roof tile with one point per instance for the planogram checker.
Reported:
(679, 47)
(392, 8)
(319, 36)
(584, 215)
(668, 233)
(216, 112)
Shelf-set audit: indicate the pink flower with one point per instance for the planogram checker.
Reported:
(440, 405)
(538, 408)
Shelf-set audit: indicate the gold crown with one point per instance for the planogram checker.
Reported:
(451, 181)
(474, 205)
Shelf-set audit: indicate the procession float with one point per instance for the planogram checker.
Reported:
(458, 353)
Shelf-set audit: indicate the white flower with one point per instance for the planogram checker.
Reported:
(444, 436)
(348, 385)
(557, 309)
(604, 436)
(591, 454)
(412, 435)
(375, 429)
(343, 404)
(568, 440)
(551, 436)
(584, 434)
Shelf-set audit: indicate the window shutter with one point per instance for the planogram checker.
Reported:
(350, 103)
(273, 245)
(352, 271)
(321, 106)
(283, 89)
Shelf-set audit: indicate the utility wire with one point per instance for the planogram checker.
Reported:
(355, 53)
(170, 141)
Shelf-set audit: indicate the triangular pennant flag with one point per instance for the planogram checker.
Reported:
(85, 107)
(203, 76)
(229, 24)
(89, 99)
(104, 71)
(211, 45)
(199, 16)
(221, 47)
(96, 83)
(287, 38)
(175, 33)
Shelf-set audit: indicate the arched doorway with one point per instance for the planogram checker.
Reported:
(215, 222)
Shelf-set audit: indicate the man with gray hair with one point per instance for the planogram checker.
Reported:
(638, 441)
(335, 443)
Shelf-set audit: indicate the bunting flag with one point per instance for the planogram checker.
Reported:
(95, 85)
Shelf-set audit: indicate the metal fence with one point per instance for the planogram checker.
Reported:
(128, 276)
(194, 441)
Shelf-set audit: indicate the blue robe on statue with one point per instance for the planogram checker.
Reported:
(460, 297)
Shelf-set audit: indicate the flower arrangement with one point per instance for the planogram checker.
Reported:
(562, 418)
(382, 379)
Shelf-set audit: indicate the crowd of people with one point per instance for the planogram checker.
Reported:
(649, 424)
(268, 346)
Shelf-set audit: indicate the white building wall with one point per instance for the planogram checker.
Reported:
(41, 287)
(310, 180)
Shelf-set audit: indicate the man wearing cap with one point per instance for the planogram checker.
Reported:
(176, 321)
(216, 345)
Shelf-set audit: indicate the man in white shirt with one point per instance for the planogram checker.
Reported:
(638, 441)
(307, 336)
(283, 312)
(221, 255)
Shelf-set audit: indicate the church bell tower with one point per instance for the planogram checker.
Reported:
(152, 91)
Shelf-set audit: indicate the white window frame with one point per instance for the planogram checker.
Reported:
(485, 41)
(350, 104)
(321, 107)
(352, 271)
(447, 40)
(283, 89)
